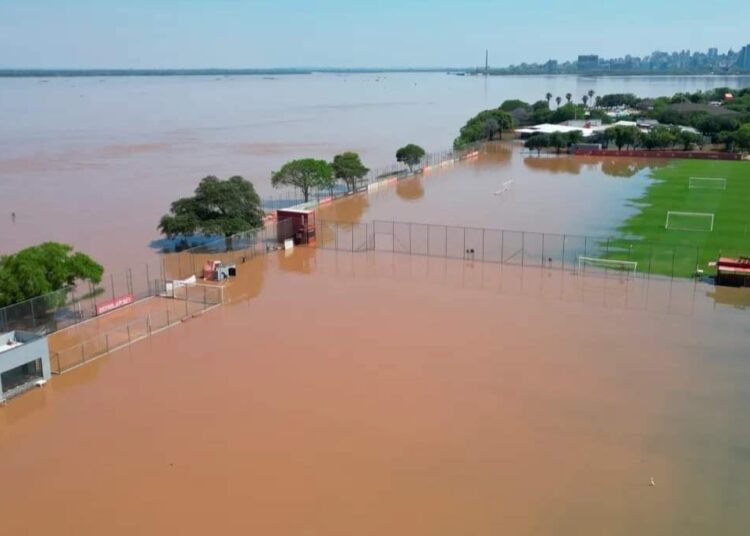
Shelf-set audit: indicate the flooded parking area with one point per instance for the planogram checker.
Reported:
(378, 393)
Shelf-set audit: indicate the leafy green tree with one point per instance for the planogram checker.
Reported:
(537, 142)
(45, 268)
(348, 168)
(574, 137)
(219, 207)
(410, 155)
(658, 137)
(540, 112)
(618, 99)
(304, 174)
(483, 126)
(688, 139)
(513, 104)
(566, 112)
(623, 135)
(742, 136)
(558, 140)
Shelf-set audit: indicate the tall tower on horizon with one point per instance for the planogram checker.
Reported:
(486, 62)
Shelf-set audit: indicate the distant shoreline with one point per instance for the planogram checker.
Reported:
(51, 73)
(82, 73)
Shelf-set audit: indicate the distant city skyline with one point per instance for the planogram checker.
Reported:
(338, 33)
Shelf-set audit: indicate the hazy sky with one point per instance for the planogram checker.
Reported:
(351, 33)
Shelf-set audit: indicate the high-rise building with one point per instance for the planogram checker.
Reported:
(743, 59)
(713, 52)
(588, 62)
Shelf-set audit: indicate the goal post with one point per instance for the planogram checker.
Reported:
(689, 221)
(614, 265)
(707, 183)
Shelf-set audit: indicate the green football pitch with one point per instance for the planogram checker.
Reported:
(709, 203)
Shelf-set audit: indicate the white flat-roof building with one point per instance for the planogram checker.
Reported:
(24, 362)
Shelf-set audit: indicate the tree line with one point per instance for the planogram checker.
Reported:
(227, 207)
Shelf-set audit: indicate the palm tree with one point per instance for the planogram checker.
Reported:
(569, 97)
(591, 94)
(585, 100)
(548, 96)
(558, 100)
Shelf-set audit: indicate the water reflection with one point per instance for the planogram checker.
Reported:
(555, 164)
(626, 167)
(410, 189)
(736, 298)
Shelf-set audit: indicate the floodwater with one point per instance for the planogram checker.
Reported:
(96, 161)
(548, 193)
(388, 394)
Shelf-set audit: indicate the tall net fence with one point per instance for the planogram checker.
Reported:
(522, 248)
(159, 314)
(235, 249)
(71, 305)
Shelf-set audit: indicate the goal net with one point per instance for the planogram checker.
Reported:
(707, 183)
(689, 221)
(607, 265)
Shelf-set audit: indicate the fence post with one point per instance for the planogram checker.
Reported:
(204, 297)
(112, 280)
(565, 238)
(483, 244)
(544, 263)
(106, 341)
(523, 247)
(148, 281)
(148, 324)
(167, 316)
(83, 355)
(128, 329)
(33, 316)
(446, 241)
(502, 246)
(674, 252)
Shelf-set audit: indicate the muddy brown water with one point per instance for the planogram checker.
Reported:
(385, 394)
(96, 161)
(547, 194)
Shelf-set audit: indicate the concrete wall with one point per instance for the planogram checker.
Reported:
(34, 347)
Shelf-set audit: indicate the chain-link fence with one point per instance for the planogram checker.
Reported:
(185, 301)
(69, 306)
(523, 248)
(235, 249)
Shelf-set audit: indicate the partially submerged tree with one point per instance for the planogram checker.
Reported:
(219, 207)
(484, 126)
(410, 155)
(304, 174)
(537, 142)
(42, 269)
(348, 168)
(558, 140)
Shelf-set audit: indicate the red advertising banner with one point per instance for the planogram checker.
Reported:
(111, 305)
